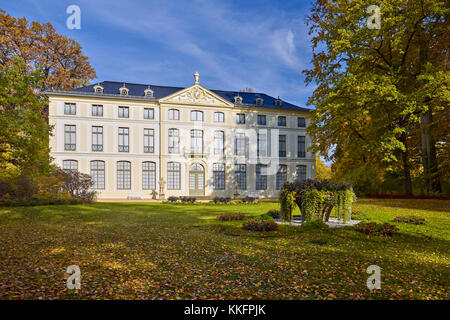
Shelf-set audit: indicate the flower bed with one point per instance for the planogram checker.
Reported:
(231, 216)
(373, 228)
(260, 225)
(410, 219)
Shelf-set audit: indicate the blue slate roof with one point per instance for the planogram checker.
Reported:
(137, 90)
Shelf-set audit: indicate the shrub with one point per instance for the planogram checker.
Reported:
(221, 200)
(172, 199)
(374, 228)
(273, 213)
(410, 219)
(78, 184)
(249, 200)
(260, 225)
(188, 199)
(316, 224)
(231, 216)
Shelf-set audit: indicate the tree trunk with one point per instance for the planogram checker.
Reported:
(406, 167)
(429, 160)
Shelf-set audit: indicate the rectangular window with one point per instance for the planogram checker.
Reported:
(219, 117)
(98, 174)
(97, 138)
(174, 141)
(219, 142)
(281, 176)
(174, 114)
(300, 173)
(148, 175)
(149, 113)
(173, 176)
(70, 165)
(124, 140)
(240, 174)
(282, 146)
(240, 144)
(261, 177)
(70, 108)
(240, 117)
(123, 175)
(261, 144)
(219, 176)
(197, 141)
(301, 122)
(124, 112)
(301, 147)
(149, 141)
(69, 137)
(282, 121)
(196, 115)
(97, 110)
(262, 120)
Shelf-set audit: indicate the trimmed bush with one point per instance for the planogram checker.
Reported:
(273, 213)
(37, 202)
(410, 219)
(188, 199)
(373, 228)
(260, 225)
(317, 224)
(225, 200)
(172, 199)
(249, 200)
(231, 216)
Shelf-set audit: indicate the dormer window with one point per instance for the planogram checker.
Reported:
(98, 89)
(278, 102)
(148, 93)
(123, 90)
(259, 101)
(238, 100)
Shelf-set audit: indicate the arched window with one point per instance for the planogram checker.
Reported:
(174, 141)
(174, 114)
(98, 174)
(70, 164)
(123, 175)
(148, 93)
(98, 89)
(238, 100)
(259, 101)
(148, 175)
(173, 176)
(196, 115)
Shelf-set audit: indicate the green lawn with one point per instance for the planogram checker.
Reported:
(166, 251)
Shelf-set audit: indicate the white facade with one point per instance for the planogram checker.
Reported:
(150, 162)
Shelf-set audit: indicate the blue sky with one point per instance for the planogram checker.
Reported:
(234, 45)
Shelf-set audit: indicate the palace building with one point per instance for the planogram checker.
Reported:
(146, 141)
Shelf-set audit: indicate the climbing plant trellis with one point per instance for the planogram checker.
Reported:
(316, 199)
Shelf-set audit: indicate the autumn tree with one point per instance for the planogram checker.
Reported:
(23, 131)
(377, 88)
(63, 65)
(322, 171)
